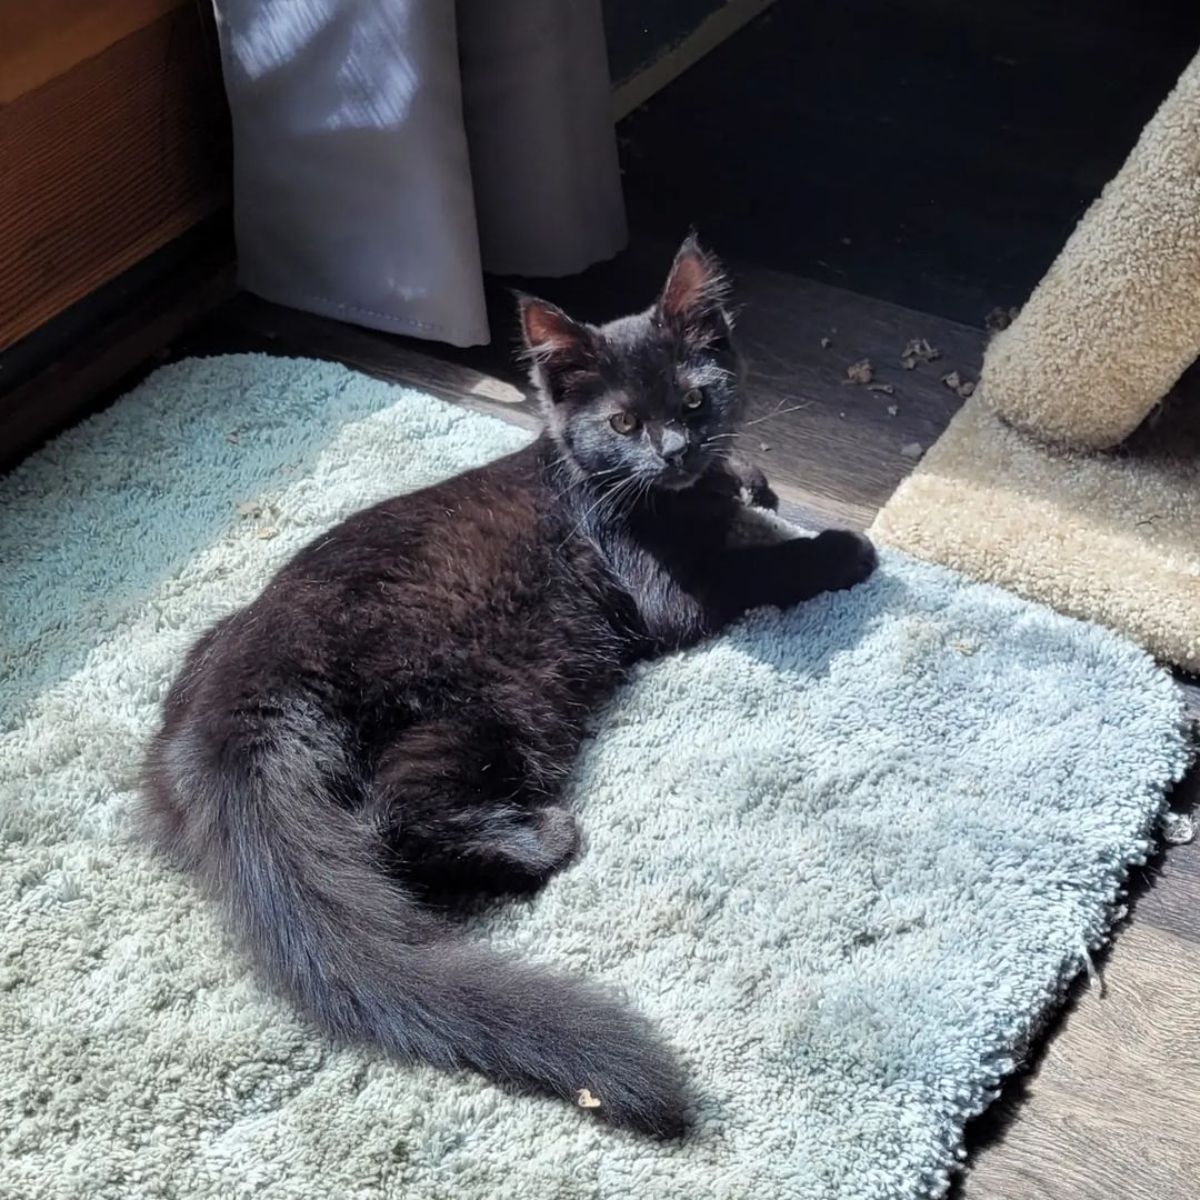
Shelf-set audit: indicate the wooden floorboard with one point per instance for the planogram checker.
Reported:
(837, 447)
(1110, 1110)
(1167, 891)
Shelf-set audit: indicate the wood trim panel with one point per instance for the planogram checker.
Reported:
(652, 77)
(41, 39)
(105, 164)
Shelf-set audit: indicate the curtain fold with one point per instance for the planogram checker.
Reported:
(386, 152)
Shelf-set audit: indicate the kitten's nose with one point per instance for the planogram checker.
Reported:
(674, 446)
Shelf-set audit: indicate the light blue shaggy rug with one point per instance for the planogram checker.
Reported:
(846, 858)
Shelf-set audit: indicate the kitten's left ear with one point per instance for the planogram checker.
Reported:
(693, 299)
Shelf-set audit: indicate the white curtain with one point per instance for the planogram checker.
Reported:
(388, 151)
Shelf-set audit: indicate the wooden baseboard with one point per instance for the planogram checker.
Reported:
(633, 92)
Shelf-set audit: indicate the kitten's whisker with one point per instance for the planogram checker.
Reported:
(778, 405)
(604, 496)
(777, 413)
(638, 494)
(571, 484)
(647, 493)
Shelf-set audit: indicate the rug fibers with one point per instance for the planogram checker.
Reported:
(846, 857)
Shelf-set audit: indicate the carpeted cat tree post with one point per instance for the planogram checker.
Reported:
(1116, 320)
(1037, 484)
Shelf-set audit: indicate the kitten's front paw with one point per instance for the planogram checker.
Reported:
(758, 493)
(848, 558)
(750, 484)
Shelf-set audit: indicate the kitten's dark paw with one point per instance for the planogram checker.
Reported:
(743, 480)
(805, 567)
(762, 497)
(848, 558)
(755, 490)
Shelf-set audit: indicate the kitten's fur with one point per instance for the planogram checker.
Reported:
(395, 714)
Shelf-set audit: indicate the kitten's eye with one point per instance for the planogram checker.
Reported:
(624, 422)
(693, 400)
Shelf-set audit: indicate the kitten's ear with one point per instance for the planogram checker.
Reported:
(550, 336)
(693, 299)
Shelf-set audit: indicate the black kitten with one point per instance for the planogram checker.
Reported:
(396, 713)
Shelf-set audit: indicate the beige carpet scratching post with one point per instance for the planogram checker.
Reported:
(1059, 479)
(1116, 320)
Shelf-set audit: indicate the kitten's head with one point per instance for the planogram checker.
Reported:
(646, 396)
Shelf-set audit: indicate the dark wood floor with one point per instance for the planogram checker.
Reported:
(932, 152)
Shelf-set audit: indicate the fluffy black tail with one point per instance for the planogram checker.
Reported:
(335, 933)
